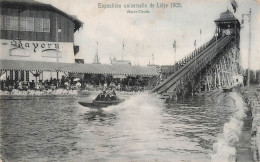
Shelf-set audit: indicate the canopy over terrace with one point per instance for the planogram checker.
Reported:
(145, 71)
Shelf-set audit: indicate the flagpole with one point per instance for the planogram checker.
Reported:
(97, 48)
(153, 57)
(175, 57)
(97, 53)
(123, 50)
(227, 4)
(249, 50)
(195, 53)
(200, 37)
(249, 46)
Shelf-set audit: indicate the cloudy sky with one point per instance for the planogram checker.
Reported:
(144, 34)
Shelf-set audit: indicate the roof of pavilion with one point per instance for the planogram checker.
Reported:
(38, 5)
(115, 69)
(226, 16)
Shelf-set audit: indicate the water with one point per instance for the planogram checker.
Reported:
(224, 149)
(55, 128)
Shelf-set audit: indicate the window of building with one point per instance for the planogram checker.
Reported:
(11, 75)
(42, 25)
(26, 24)
(22, 75)
(10, 22)
(16, 75)
(27, 76)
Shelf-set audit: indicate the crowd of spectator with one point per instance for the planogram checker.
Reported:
(9, 85)
(69, 84)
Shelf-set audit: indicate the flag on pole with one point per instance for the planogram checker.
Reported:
(195, 43)
(174, 44)
(234, 5)
(200, 31)
(123, 50)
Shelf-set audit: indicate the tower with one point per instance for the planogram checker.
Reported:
(227, 24)
(96, 58)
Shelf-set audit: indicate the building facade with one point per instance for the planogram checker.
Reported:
(34, 31)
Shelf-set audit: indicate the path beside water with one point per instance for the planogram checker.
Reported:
(248, 149)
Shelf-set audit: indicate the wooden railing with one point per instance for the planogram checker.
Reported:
(203, 56)
(191, 56)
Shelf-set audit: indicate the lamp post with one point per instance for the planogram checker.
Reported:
(249, 46)
(57, 47)
(58, 31)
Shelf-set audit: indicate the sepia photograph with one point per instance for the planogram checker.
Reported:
(130, 80)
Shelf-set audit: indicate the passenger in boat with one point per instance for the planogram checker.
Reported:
(111, 95)
(101, 96)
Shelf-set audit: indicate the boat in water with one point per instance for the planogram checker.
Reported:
(101, 104)
(228, 89)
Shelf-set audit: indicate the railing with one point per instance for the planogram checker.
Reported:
(202, 56)
(191, 56)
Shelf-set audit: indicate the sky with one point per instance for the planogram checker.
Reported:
(148, 34)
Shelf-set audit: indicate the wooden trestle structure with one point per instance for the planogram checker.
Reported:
(214, 65)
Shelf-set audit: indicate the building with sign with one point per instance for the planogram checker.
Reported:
(37, 43)
(34, 31)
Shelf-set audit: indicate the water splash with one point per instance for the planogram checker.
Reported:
(224, 149)
(139, 101)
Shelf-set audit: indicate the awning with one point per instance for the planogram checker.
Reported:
(31, 65)
(119, 69)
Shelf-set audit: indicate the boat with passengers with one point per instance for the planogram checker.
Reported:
(104, 99)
